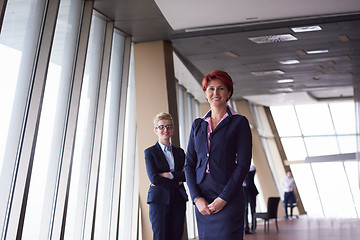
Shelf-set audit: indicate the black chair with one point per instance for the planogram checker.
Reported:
(272, 208)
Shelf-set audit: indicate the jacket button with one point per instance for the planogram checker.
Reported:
(207, 154)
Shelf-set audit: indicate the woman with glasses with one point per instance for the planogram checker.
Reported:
(217, 161)
(167, 196)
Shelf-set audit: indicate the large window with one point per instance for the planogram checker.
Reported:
(110, 162)
(84, 143)
(62, 124)
(129, 197)
(188, 110)
(327, 188)
(45, 169)
(18, 46)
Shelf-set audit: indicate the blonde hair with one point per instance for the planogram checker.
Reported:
(162, 116)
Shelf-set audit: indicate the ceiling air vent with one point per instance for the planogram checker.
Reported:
(273, 38)
(267, 73)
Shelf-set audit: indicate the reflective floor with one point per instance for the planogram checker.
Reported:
(305, 228)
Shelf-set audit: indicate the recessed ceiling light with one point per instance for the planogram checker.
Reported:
(287, 62)
(231, 54)
(306, 29)
(286, 80)
(317, 51)
(266, 73)
(273, 38)
(344, 38)
(277, 90)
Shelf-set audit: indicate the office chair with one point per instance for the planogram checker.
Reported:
(272, 208)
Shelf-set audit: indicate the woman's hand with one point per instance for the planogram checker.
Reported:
(217, 205)
(202, 206)
(168, 175)
(165, 175)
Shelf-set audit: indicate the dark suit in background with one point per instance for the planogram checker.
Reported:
(167, 199)
(250, 194)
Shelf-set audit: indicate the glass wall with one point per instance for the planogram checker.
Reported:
(18, 45)
(52, 123)
(108, 162)
(327, 187)
(84, 142)
(70, 185)
(188, 110)
(129, 197)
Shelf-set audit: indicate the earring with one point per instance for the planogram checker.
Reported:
(206, 99)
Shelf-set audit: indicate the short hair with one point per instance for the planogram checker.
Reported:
(162, 116)
(222, 76)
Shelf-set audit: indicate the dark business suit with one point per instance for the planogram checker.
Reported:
(167, 199)
(229, 159)
(250, 193)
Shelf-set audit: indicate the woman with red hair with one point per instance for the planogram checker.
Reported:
(217, 161)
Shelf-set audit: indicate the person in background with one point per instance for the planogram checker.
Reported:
(167, 196)
(288, 185)
(250, 195)
(217, 160)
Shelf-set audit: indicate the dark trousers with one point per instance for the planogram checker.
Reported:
(289, 200)
(167, 221)
(250, 200)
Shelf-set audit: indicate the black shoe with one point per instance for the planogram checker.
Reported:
(247, 232)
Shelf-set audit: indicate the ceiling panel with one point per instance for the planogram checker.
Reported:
(204, 50)
(203, 13)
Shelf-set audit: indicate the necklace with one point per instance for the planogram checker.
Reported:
(214, 123)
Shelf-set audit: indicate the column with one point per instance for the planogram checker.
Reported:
(155, 92)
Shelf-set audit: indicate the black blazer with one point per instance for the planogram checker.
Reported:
(250, 187)
(156, 163)
(229, 156)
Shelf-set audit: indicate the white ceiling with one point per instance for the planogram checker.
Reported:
(187, 14)
(317, 77)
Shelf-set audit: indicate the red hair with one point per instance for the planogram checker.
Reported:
(222, 76)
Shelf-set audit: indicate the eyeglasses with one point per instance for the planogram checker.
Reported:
(162, 127)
